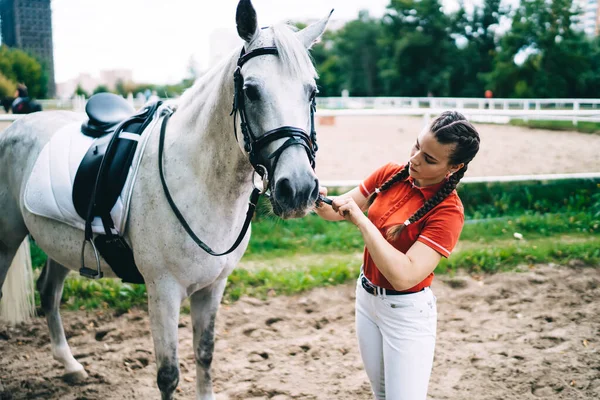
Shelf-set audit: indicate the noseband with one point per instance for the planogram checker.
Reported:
(252, 145)
(255, 145)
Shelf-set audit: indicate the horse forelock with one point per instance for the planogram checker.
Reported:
(295, 58)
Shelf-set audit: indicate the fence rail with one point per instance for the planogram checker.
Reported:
(485, 179)
(479, 109)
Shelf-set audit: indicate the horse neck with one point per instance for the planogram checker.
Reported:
(200, 136)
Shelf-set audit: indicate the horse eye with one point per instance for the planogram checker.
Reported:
(252, 92)
(313, 94)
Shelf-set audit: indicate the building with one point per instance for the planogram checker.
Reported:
(89, 83)
(27, 25)
(588, 20)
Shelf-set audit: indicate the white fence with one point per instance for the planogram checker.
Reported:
(477, 109)
(457, 103)
(485, 179)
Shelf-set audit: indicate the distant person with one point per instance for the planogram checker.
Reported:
(23, 103)
(415, 218)
(488, 95)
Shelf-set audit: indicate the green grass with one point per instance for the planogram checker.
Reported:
(288, 276)
(275, 238)
(582, 126)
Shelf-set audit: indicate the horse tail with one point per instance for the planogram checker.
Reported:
(18, 300)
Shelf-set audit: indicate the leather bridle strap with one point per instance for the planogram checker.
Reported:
(251, 204)
(254, 145)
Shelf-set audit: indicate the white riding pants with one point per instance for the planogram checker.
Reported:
(396, 337)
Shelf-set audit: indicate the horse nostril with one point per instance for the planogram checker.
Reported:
(315, 193)
(284, 189)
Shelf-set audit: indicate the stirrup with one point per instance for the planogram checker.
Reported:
(88, 272)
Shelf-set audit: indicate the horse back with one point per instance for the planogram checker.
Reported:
(22, 142)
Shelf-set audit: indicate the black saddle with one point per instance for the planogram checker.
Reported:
(105, 111)
(102, 174)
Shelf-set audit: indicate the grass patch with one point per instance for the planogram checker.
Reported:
(285, 276)
(275, 238)
(581, 126)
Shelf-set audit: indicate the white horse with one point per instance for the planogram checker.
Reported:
(209, 171)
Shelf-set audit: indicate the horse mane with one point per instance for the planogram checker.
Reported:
(295, 59)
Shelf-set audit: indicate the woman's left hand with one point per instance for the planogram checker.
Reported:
(347, 208)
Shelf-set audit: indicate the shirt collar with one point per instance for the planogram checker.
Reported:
(428, 191)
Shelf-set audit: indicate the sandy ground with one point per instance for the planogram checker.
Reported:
(355, 146)
(528, 335)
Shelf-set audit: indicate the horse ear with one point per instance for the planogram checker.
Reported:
(245, 18)
(311, 34)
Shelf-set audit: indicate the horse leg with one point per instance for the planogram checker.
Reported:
(164, 301)
(50, 285)
(6, 257)
(204, 306)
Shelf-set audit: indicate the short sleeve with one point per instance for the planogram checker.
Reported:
(378, 178)
(442, 229)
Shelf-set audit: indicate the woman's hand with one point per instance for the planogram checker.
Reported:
(349, 210)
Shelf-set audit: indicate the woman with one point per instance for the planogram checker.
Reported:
(415, 218)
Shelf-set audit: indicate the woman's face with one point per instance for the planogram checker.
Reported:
(430, 160)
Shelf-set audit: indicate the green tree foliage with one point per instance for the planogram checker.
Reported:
(79, 91)
(18, 66)
(101, 89)
(477, 33)
(556, 56)
(416, 49)
(7, 87)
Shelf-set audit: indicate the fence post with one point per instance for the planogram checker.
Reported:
(575, 108)
(526, 108)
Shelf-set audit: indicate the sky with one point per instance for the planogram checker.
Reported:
(158, 39)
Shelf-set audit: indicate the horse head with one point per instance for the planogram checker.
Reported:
(275, 97)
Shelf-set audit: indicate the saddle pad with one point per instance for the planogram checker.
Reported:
(49, 189)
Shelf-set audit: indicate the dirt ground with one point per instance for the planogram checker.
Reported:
(355, 146)
(533, 334)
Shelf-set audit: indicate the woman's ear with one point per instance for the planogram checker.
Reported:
(456, 167)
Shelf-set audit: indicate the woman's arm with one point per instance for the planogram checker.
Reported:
(326, 212)
(403, 271)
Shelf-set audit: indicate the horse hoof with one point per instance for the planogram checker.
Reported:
(75, 376)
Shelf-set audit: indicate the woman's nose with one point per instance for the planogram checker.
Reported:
(414, 159)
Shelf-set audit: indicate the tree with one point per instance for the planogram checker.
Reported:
(79, 91)
(358, 52)
(541, 55)
(7, 87)
(419, 49)
(476, 57)
(101, 89)
(18, 66)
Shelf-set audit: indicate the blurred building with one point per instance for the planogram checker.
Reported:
(588, 20)
(89, 83)
(27, 25)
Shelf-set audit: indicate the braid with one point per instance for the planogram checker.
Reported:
(444, 192)
(400, 176)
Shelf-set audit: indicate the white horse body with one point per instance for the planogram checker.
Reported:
(210, 180)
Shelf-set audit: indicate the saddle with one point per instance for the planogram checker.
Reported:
(102, 174)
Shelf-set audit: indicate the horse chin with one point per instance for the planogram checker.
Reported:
(286, 213)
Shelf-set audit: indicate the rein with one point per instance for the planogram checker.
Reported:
(252, 145)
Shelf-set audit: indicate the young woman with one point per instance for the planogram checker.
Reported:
(414, 219)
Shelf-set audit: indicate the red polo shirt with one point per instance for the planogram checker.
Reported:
(439, 229)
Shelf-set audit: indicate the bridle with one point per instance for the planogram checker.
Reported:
(253, 145)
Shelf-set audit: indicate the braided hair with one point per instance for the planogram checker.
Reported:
(450, 127)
